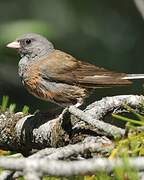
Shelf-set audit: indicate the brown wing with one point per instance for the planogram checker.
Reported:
(62, 67)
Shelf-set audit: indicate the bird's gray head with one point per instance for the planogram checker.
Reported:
(32, 45)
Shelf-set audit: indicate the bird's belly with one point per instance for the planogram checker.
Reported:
(36, 90)
(58, 93)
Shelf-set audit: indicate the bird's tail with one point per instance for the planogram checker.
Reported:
(133, 76)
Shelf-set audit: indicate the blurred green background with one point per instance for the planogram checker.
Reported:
(105, 33)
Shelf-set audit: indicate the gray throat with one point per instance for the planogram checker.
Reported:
(28, 59)
(23, 65)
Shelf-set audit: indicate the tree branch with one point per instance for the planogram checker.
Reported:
(24, 134)
(49, 167)
(30, 133)
(102, 127)
(102, 147)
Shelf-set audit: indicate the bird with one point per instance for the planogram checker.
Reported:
(56, 76)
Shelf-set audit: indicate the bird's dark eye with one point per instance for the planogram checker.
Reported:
(28, 41)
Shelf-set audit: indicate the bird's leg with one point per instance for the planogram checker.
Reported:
(79, 102)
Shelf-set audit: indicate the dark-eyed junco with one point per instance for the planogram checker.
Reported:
(53, 75)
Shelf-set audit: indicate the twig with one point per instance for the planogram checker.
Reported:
(97, 144)
(140, 6)
(65, 168)
(23, 134)
(44, 152)
(104, 128)
(100, 109)
(67, 151)
(6, 175)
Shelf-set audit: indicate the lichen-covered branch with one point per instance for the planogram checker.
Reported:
(101, 145)
(35, 132)
(23, 134)
(68, 168)
(101, 108)
(102, 127)
(31, 133)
